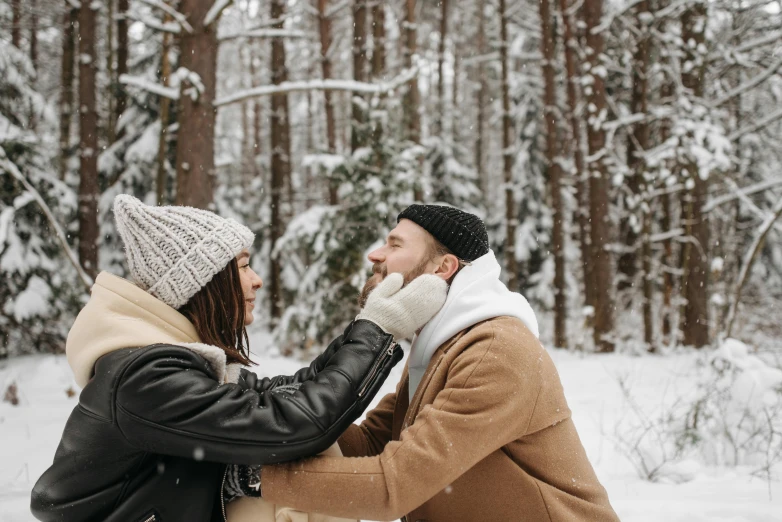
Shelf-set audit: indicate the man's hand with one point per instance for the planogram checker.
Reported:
(402, 311)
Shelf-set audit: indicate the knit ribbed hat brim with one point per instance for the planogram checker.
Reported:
(174, 251)
(462, 233)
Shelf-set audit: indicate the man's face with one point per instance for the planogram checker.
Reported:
(405, 251)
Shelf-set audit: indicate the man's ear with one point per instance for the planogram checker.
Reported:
(448, 266)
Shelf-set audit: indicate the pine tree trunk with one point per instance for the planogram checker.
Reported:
(582, 188)
(324, 24)
(481, 104)
(439, 114)
(696, 268)
(165, 74)
(507, 157)
(378, 69)
(280, 159)
(122, 57)
(378, 41)
(455, 115)
(357, 127)
(600, 229)
(257, 120)
(636, 146)
(34, 33)
(16, 23)
(70, 18)
(550, 112)
(88, 143)
(113, 83)
(196, 117)
(412, 98)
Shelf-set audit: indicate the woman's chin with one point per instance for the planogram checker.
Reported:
(248, 318)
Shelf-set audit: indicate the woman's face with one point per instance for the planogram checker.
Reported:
(251, 283)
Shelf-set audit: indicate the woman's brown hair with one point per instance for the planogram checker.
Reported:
(217, 312)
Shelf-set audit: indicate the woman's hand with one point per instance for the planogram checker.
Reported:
(403, 311)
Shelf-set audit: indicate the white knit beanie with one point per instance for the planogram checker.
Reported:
(173, 252)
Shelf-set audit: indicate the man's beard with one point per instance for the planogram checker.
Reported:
(379, 273)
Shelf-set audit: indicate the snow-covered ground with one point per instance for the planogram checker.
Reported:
(31, 430)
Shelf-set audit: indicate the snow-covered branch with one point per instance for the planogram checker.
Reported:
(750, 84)
(215, 11)
(749, 259)
(740, 193)
(176, 15)
(74, 4)
(609, 18)
(335, 8)
(168, 27)
(10, 167)
(729, 53)
(264, 33)
(323, 85)
(161, 90)
(771, 118)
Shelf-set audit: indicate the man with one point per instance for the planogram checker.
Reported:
(479, 428)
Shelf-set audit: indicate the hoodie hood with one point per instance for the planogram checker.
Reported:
(476, 294)
(121, 315)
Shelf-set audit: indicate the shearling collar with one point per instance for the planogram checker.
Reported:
(121, 315)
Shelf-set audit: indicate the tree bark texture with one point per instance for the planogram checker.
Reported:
(280, 157)
(550, 115)
(412, 98)
(600, 229)
(577, 133)
(696, 268)
(196, 115)
(88, 143)
(481, 104)
(69, 20)
(34, 33)
(507, 157)
(439, 114)
(378, 41)
(636, 146)
(358, 137)
(16, 23)
(122, 57)
(324, 25)
(162, 153)
(113, 79)
(378, 70)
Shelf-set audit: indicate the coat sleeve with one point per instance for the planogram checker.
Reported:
(488, 401)
(371, 436)
(250, 380)
(167, 401)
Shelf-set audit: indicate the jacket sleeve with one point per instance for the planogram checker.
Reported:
(371, 436)
(250, 380)
(168, 401)
(488, 401)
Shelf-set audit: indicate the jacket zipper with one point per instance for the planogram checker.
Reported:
(222, 495)
(151, 519)
(376, 368)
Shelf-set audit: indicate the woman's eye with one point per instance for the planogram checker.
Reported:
(245, 266)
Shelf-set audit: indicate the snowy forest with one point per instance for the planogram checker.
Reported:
(625, 155)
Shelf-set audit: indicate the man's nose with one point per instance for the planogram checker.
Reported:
(376, 256)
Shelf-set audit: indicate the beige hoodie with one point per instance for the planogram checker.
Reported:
(121, 315)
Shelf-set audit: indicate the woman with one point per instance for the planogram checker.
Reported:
(165, 404)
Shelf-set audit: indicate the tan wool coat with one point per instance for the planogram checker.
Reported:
(487, 436)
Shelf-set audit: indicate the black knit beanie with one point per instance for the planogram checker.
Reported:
(462, 233)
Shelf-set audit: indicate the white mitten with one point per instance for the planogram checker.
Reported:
(402, 312)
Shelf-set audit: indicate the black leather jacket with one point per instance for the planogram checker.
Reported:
(153, 430)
